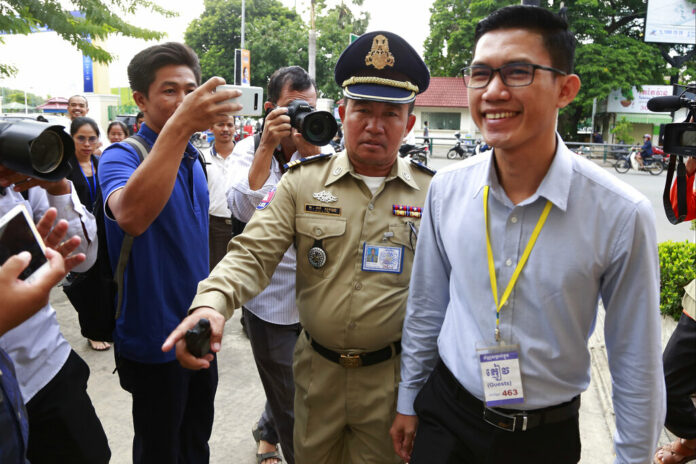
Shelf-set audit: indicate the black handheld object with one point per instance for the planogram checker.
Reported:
(198, 338)
(666, 103)
(317, 127)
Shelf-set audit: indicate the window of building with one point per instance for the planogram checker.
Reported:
(446, 121)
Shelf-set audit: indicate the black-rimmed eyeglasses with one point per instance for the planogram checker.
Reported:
(512, 74)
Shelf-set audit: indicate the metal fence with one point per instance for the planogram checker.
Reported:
(439, 146)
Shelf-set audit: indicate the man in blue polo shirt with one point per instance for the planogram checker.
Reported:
(163, 203)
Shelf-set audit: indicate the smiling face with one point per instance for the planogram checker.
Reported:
(77, 107)
(373, 133)
(172, 83)
(514, 119)
(116, 134)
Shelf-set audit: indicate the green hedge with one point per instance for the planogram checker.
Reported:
(677, 268)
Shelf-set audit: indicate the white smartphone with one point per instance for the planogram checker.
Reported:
(251, 100)
(18, 233)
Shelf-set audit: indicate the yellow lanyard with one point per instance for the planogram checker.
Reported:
(520, 264)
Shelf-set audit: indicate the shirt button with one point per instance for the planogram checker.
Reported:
(508, 262)
(357, 285)
(513, 219)
(351, 325)
(370, 206)
(318, 231)
(507, 302)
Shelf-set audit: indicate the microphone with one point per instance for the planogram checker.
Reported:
(663, 104)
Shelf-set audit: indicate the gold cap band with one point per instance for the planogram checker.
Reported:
(380, 81)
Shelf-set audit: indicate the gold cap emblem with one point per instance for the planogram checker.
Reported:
(379, 55)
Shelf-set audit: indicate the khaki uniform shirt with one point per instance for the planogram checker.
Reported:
(342, 306)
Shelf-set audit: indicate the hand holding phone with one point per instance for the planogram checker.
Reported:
(251, 99)
(18, 234)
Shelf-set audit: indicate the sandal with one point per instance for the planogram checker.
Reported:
(677, 452)
(260, 457)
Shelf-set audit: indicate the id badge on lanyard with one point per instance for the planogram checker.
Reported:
(500, 363)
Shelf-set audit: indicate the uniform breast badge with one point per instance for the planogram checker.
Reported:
(408, 211)
(325, 196)
(317, 255)
(379, 55)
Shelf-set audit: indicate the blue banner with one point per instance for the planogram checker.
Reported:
(88, 80)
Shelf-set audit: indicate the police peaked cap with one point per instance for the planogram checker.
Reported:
(381, 66)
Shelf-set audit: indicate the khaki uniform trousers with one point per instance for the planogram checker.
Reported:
(343, 415)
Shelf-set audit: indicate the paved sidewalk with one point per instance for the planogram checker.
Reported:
(240, 396)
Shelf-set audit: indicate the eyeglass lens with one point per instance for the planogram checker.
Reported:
(513, 74)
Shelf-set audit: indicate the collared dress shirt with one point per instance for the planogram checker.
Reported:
(219, 170)
(599, 240)
(36, 346)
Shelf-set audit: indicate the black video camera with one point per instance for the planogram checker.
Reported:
(678, 138)
(316, 127)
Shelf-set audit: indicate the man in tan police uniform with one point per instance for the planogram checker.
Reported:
(339, 212)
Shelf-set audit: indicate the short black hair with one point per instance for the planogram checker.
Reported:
(557, 39)
(143, 67)
(81, 121)
(297, 77)
(140, 115)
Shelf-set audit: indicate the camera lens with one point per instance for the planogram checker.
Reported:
(318, 127)
(46, 151)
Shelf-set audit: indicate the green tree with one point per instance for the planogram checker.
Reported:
(97, 19)
(275, 37)
(622, 130)
(610, 54)
(334, 26)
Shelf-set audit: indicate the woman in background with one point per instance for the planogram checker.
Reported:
(116, 131)
(85, 134)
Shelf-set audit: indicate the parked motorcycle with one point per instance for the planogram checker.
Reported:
(417, 152)
(460, 148)
(654, 165)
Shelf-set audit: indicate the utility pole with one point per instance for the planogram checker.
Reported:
(312, 48)
(243, 14)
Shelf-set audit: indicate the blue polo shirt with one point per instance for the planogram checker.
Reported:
(167, 261)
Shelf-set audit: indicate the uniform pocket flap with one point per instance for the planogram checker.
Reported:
(319, 228)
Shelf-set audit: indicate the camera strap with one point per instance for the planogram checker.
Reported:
(677, 160)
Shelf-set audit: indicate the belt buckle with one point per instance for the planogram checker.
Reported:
(350, 360)
(507, 422)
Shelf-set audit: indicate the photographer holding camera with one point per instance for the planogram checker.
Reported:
(271, 318)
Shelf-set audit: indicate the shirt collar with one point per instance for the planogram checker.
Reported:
(555, 186)
(342, 166)
(151, 137)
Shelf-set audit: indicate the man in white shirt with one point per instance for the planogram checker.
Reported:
(218, 164)
(495, 352)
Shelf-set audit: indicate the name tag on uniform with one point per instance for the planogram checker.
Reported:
(500, 370)
(380, 258)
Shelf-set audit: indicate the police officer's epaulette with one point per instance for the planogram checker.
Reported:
(310, 159)
(423, 167)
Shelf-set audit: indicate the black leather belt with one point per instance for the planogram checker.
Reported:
(351, 360)
(511, 420)
(222, 220)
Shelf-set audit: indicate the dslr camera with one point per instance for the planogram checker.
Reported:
(678, 138)
(316, 127)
